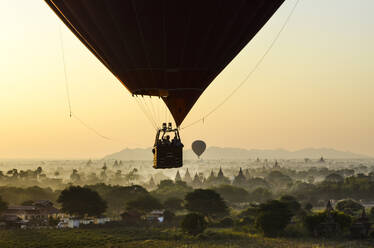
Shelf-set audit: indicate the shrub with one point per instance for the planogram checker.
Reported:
(313, 222)
(273, 217)
(194, 224)
(206, 202)
(308, 207)
(246, 221)
(226, 222)
(173, 204)
(349, 206)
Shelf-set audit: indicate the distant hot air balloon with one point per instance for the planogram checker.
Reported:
(166, 48)
(198, 147)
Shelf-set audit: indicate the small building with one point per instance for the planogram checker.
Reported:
(155, 216)
(73, 223)
(36, 214)
(101, 220)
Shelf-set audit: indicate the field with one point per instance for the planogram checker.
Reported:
(120, 237)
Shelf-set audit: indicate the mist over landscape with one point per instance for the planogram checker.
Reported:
(186, 124)
(237, 153)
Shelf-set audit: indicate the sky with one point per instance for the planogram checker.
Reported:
(314, 89)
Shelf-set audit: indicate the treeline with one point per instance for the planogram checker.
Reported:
(359, 187)
(253, 190)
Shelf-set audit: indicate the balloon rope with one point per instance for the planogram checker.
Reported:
(249, 75)
(89, 127)
(65, 73)
(154, 112)
(148, 112)
(71, 115)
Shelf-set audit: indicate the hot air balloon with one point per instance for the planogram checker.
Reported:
(198, 147)
(166, 48)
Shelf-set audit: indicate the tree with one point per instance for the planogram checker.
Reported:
(206, 202)
(273, 217)
(308, 207)
(261, 195)
(145, 203)
(232, 193)
(3, 205)
(173, 204)
(334, 178)
(168, 216)
(349, 206)
(292, 204)
(310, 179)
(75, 177)
(314, 222)
(167, 189)
(194, 224)
(118, 196)
(80, 201)
(226, 222)
(278, 180)
(39, 170)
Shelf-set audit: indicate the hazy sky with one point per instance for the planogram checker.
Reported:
(315, 88)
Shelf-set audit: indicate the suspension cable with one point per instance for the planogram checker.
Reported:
(65, 72)
(249, 75)
(149, 112)
(89, 127)
(71, 115)
(142, 107)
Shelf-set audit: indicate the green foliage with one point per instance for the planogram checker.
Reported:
(292, 204)
(194, 224)
(246, 221)
(357, 187)
(308, 207)
(261, 195)
(334, 178)
(173, 204)
(80, 201)
(252, 211)
(349, 206)
(15, 195)
(295, 230)
(168, 189)
(118, 196)
(343, 220)
(226, 222)
(273, 217)
(278, 180)
(206, 202)
(168, 216)
(313, 222)
(53, 221)
(3, 205)
(129, 237)
(232, 194)
(145, 204)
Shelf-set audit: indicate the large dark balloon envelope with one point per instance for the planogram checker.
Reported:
(198, 147)
(166, 48)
